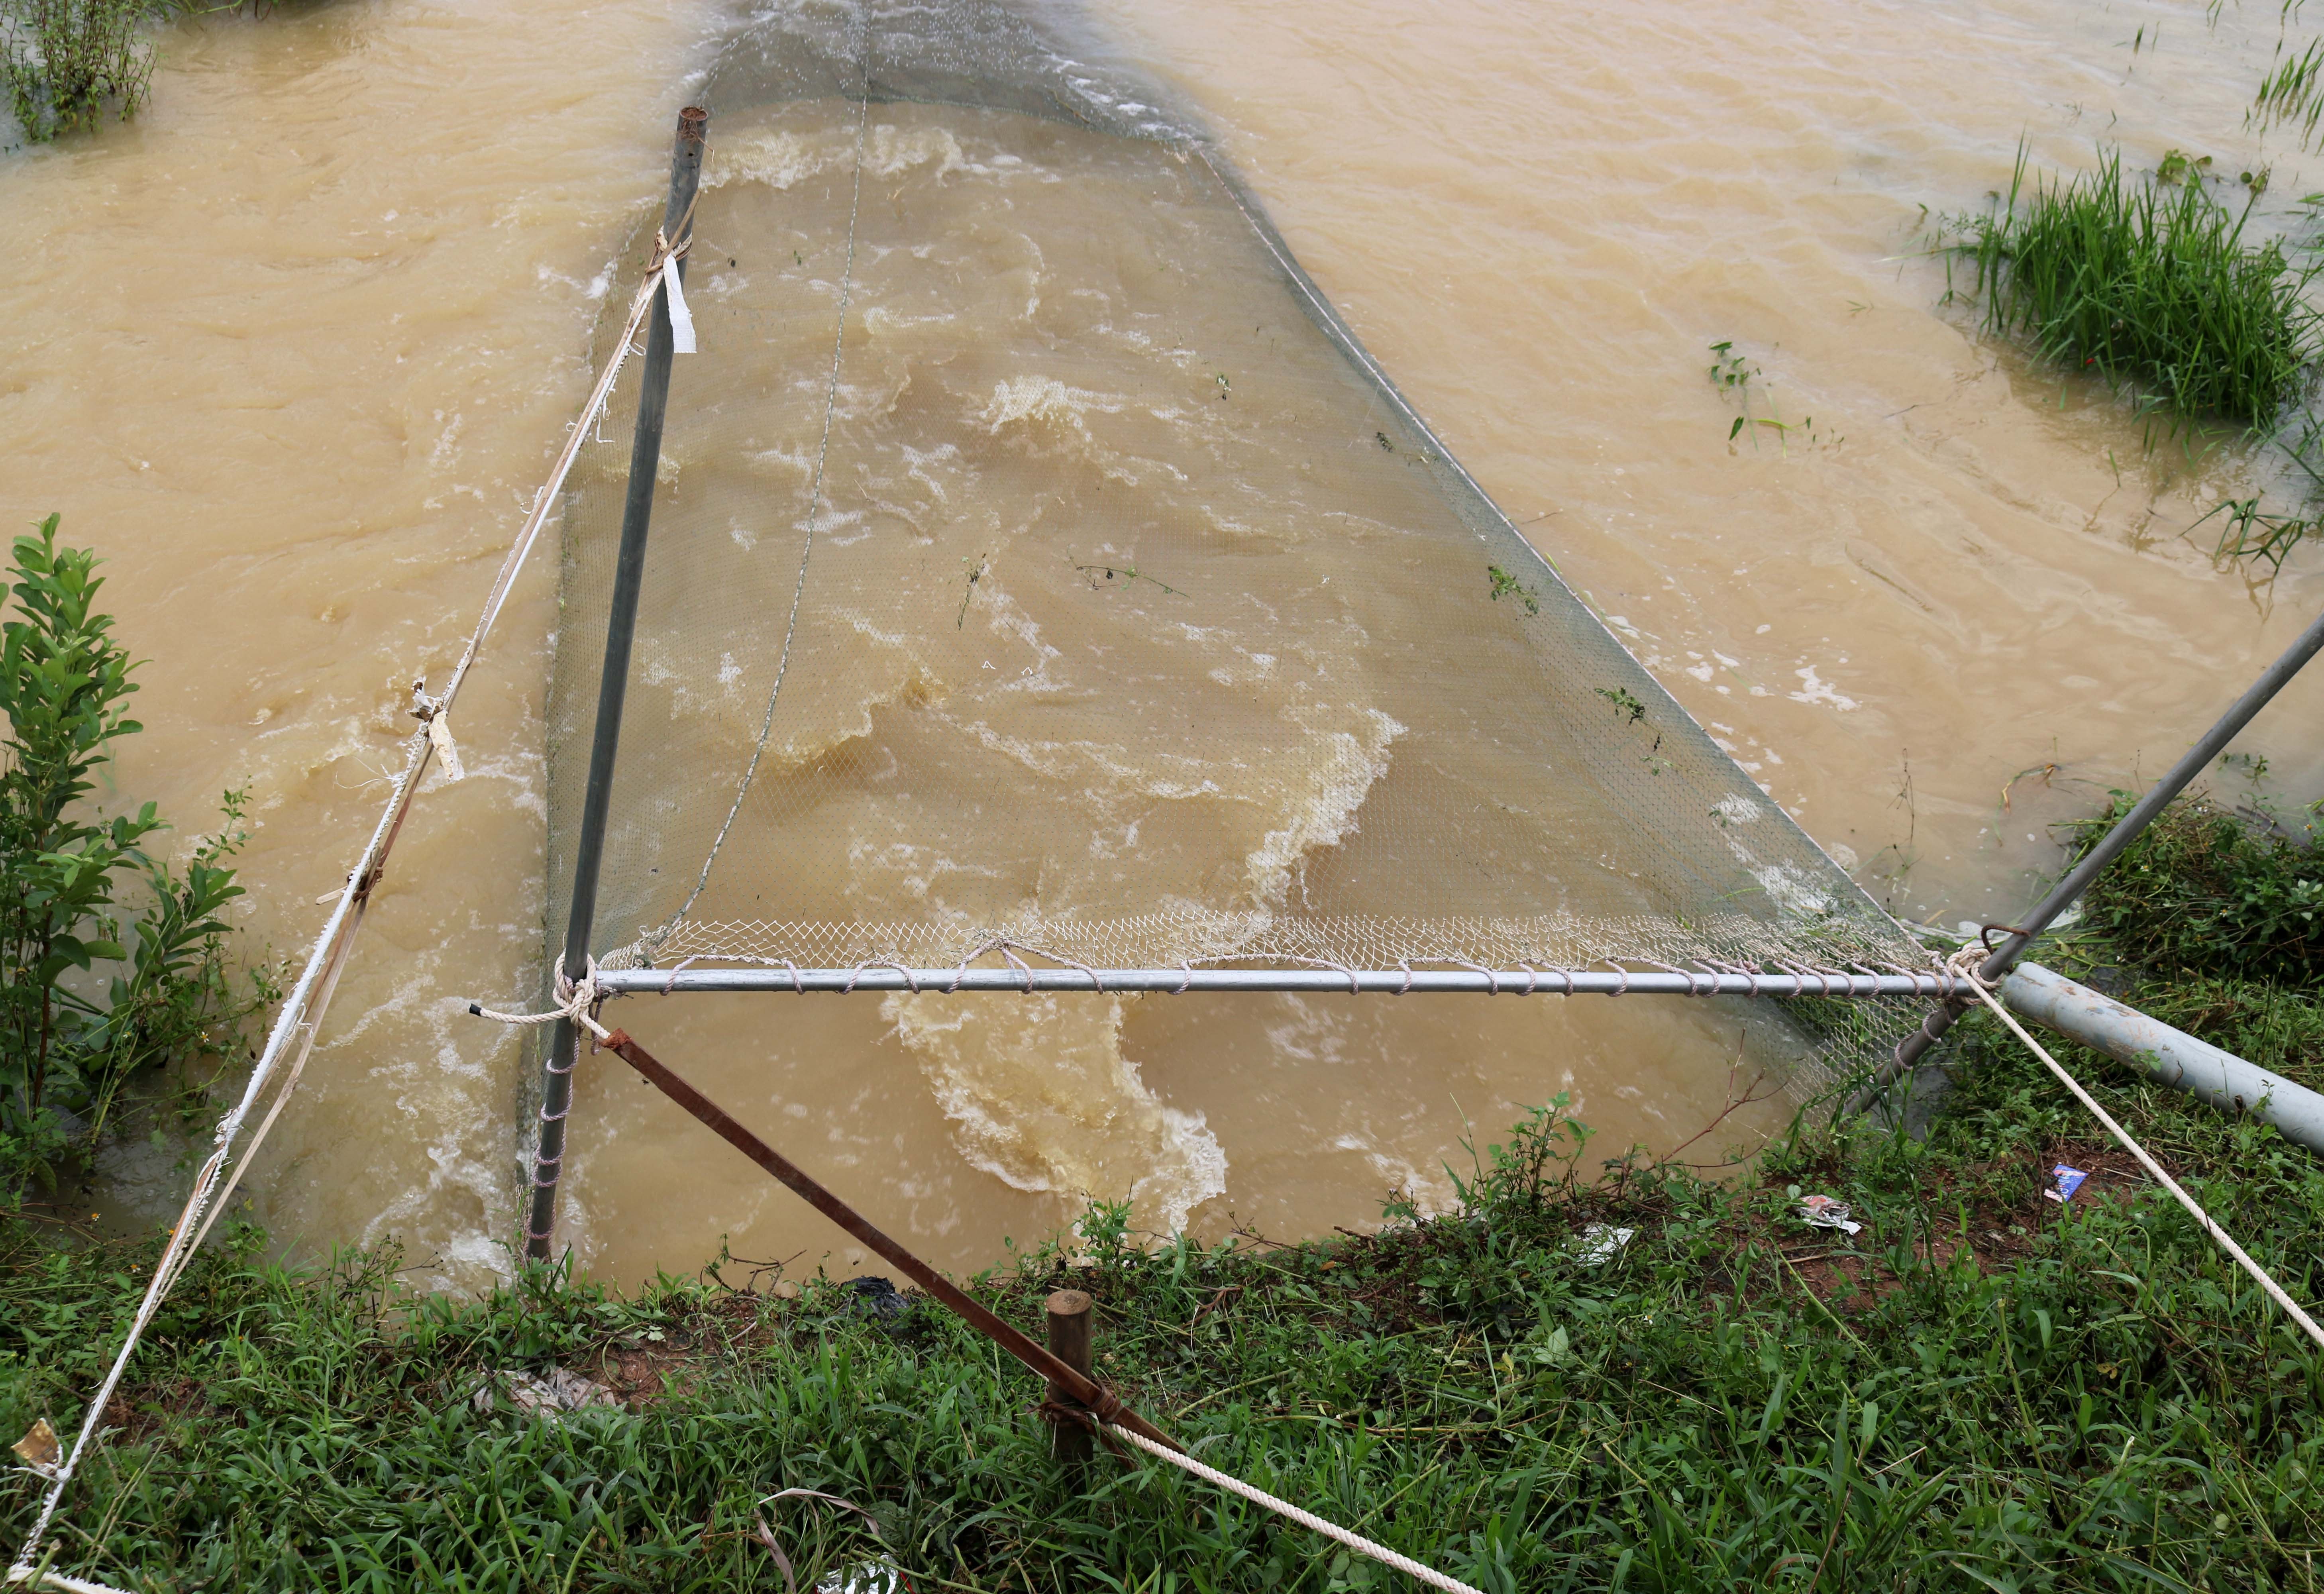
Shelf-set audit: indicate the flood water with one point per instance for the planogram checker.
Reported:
(294, 348)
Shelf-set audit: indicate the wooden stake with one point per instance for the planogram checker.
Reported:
(1069, 1343)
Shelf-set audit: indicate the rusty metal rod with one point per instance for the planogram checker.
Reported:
(1038, 1359)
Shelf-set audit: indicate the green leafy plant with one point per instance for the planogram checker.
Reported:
(1728, 373)
(1732, 377)
(1502, 584)
(64, 61)
(2178, 166)
(2207, 890)
(94, 992)
(1624, 704)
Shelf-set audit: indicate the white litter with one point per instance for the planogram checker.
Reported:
(1822, 1212)
(555, 1396)
(1598, 1243)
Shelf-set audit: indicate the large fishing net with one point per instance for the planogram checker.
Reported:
(1038, 561)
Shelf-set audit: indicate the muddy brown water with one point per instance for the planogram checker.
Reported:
(294, 347)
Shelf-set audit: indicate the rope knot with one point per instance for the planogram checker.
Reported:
(665, 252)
(1963, 965)
(576, 999)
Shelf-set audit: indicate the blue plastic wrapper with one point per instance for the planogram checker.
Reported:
(2069, 1181)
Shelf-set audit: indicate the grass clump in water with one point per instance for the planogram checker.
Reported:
(2291, 93)
(2150, 285)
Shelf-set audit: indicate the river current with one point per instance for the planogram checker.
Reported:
(293, 348)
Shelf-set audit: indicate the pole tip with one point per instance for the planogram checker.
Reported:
(693, 125)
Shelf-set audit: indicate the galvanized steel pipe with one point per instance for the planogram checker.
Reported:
(2166, 1056)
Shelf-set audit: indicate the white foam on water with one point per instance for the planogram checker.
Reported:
(1813, 689)
(1044, 408)
(776, 157)
(1324, 813)
(894, 152)
(1040, 1096)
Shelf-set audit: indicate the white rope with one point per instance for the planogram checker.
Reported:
(1307, 1519)
(51, 1579)
(660, 267)
(1964, 964)
(575, 999)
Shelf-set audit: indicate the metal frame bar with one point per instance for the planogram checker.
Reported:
(2126, 830)
(621, 626)
(886, 977)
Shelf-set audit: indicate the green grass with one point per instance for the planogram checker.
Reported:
(63, 62)
(2152, 286)
(2209, 892)
(1983, 1390)
(2291, 94)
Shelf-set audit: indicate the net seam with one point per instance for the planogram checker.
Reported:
(815, 492)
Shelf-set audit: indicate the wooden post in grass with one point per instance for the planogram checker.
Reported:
(1069, 1343)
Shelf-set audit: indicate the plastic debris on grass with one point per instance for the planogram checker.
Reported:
(1822, 1212)
(39, 1448)
(1599, 1243)
(2069, 1181)
(559, 1394)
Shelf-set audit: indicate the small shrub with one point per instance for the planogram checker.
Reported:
(64, 61)
(2206, 891)
(2150, 285)
(90, 992)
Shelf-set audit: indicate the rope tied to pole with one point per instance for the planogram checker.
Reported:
(576, 999)
(661, 269)
(1964, 965)
(1085, 1399)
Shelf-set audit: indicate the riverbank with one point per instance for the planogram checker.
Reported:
(1983, 1388)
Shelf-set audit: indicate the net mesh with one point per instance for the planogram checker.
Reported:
(1037, 558)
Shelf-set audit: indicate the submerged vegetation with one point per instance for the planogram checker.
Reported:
(1592, 1374)
(1733, 376)
(2291, 94)
(2152, 286)
(64, 63)
(2155, 288)
(99, 992)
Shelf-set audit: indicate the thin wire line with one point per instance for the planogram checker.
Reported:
(815, 492)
